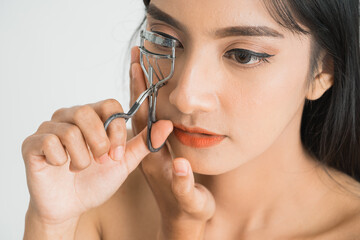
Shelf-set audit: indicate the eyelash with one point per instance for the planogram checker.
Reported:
(234, 54)
(261, 57)
(167, 36)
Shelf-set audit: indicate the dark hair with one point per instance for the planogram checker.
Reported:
(330, 126)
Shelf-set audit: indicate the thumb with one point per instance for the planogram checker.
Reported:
(136, 148)
(194, 198)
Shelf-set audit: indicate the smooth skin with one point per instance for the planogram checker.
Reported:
(63, 187)
(259, 183)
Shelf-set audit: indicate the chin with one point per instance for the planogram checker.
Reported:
(206, 161)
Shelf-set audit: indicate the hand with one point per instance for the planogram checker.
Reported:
(73, 165)
(185, 206)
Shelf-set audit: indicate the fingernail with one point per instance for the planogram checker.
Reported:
(181, 168)
(103, 158)
(119, 153)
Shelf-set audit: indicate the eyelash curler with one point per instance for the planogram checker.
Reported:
(154, 48)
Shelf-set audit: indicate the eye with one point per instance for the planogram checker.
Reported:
(246, 57)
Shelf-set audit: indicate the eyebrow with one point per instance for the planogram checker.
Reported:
(158, 14)
(251, 31)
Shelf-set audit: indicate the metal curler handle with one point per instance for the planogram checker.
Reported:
(149, 144)
(151, 92)
(134, 108)
(127, 116)
(150, 123)
(151, 115)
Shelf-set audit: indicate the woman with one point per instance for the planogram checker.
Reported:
(262, 124)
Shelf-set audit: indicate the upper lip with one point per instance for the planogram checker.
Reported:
(195, 130)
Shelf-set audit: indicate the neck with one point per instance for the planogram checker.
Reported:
(265, 188)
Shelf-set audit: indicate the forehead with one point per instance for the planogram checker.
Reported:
(209, 15)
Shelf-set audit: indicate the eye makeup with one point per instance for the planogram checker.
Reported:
(241, 56)
(164, 34)
(247, 57)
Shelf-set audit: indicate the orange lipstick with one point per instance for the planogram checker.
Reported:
(196, 137)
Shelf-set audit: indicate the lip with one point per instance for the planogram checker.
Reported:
(196, 137)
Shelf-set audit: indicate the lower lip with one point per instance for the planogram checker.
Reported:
(197, 140)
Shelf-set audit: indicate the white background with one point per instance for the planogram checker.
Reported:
(54, 54)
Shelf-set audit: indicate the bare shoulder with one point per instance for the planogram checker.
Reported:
(348, 229)
(346, 201)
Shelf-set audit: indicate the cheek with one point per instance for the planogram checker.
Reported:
(264, 100)
(255, 106)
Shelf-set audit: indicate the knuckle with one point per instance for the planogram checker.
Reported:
(82, 112)
(201, 207)
(57, 113)
(84, 164)
(119, 126)
(43, 126)
(181, 191)
(24, 143)
(102, 146)
(197, 207)
(71, 133)
(110, 105)
(24, 146)
(49, 142)
(80, 165)
(118, 131)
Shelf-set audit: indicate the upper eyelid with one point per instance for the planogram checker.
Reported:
(153, 25)
(166, 35)
(257, 54)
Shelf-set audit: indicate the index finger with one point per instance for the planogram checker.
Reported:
(116, 130)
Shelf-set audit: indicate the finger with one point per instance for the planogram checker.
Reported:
(73, 140)
(39, 149)
(90, 119)
(135, 55)
(91, 126)
(117, 132)
(193, 198)
(137, 149)
(135, 61)
(137, 87)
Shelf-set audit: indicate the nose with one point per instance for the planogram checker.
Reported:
(195, 89)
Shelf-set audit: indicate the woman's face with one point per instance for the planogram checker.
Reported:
(239, 74)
